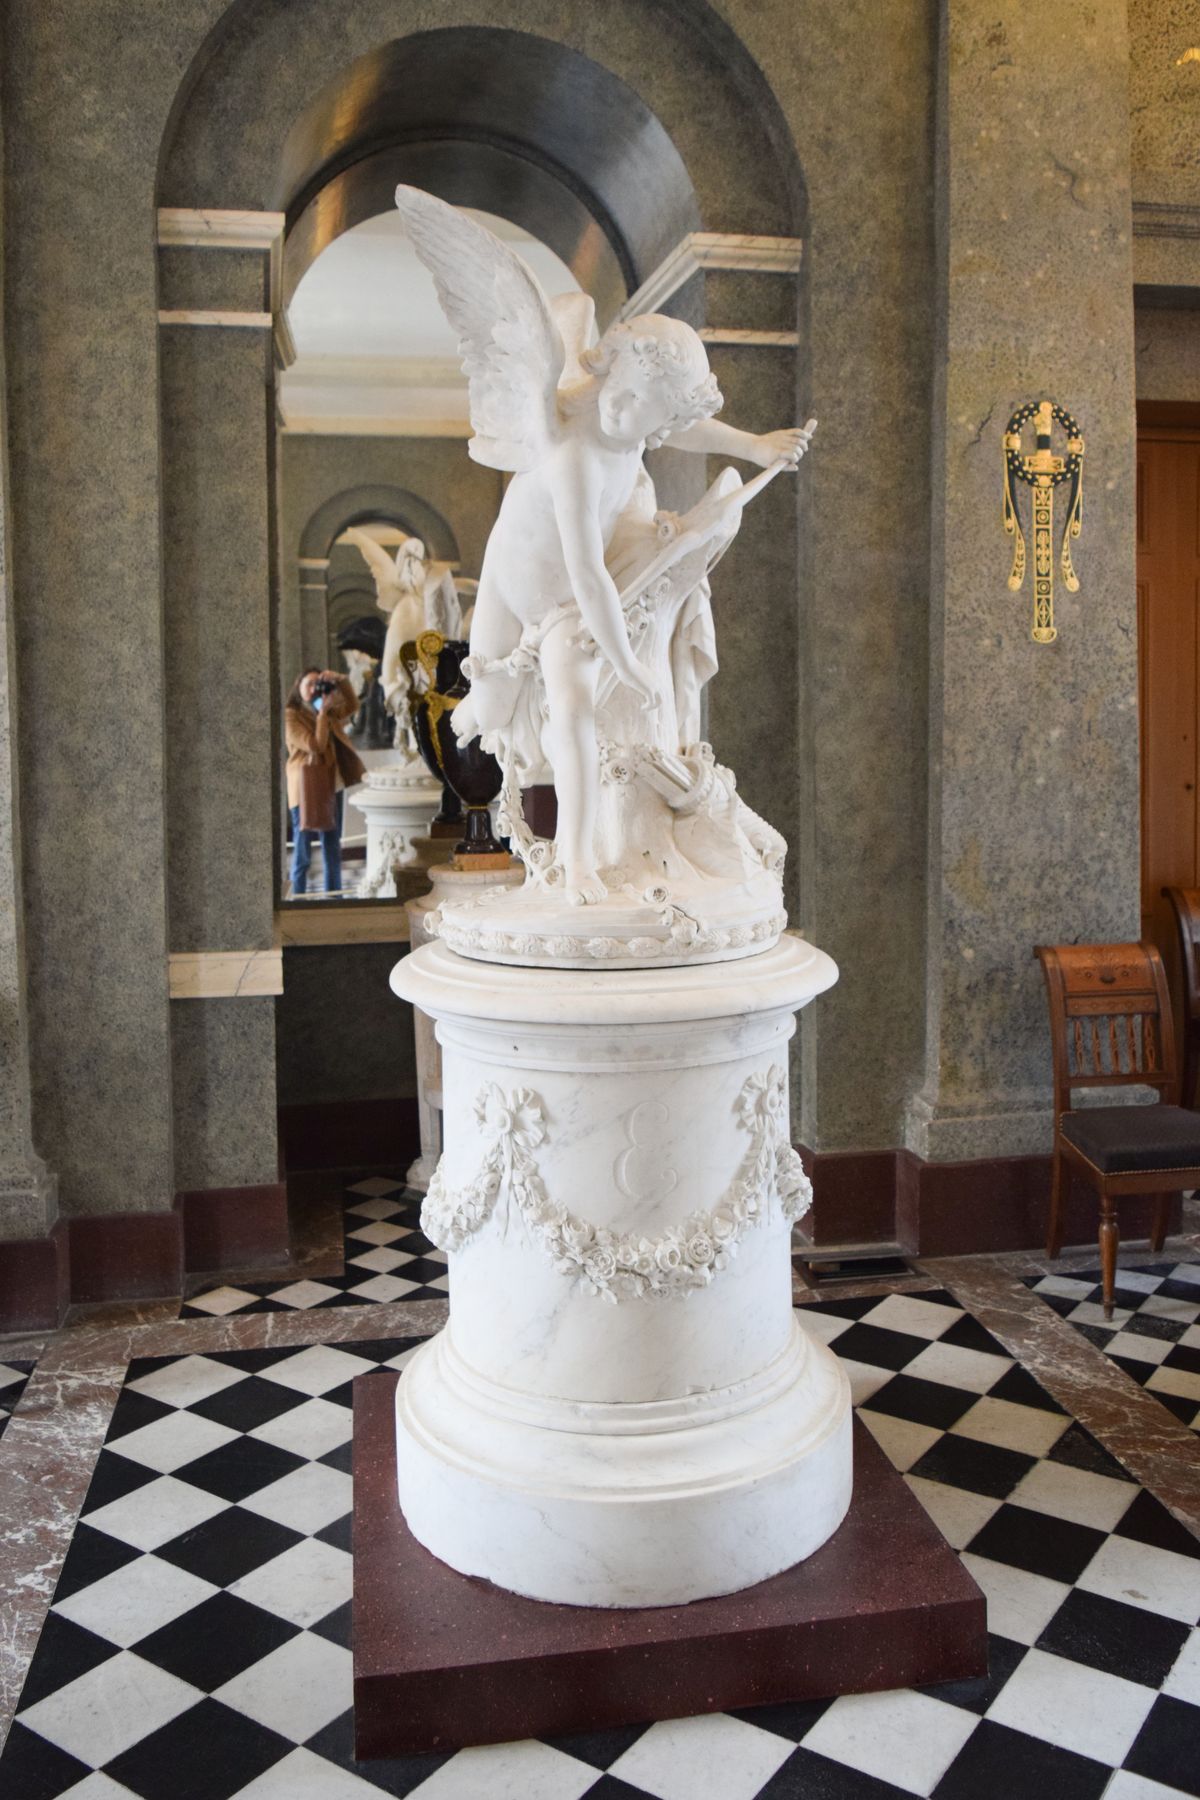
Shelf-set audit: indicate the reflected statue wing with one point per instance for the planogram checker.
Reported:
(442, 610)
(387, 582)
(511, 349)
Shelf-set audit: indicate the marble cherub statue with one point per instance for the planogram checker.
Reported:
(569, 668)
(417, 596)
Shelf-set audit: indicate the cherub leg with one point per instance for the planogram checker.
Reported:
(495, 633)
(570, 674)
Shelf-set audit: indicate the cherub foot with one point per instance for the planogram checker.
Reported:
(583, 887)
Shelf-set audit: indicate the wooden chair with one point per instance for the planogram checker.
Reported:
(1185, 904)
(1110, 1026)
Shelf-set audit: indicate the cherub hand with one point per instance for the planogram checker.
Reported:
(787, 445)
(636, 676)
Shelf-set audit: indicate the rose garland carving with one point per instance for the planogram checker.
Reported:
(625, 1265)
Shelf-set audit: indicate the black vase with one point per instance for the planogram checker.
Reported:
(469, 771)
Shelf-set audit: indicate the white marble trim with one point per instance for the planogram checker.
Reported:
(260, 321)
(713, 250)
(225, 974)
(214, 228)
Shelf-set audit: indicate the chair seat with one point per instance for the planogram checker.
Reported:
(1127, 1139)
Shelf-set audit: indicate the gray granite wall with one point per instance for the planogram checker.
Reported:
(1168, 352)
(223, 1074)
(792, 117)
(341, 1034)
(1033, 832)
(1164, 100)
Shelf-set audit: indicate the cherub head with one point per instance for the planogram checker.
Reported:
(655, 379)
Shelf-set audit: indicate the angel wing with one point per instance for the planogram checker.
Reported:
(442, 610)
(387, 582)
(511, 349)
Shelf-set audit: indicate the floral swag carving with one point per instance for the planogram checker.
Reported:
(619, 1266)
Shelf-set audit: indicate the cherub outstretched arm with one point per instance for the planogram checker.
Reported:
(575, 487)
(711, 438)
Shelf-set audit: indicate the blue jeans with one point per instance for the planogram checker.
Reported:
(331, 850)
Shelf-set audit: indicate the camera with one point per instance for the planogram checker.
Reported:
(322, 687)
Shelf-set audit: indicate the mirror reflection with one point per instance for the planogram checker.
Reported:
(383, 519)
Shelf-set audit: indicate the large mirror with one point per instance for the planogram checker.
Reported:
(383, 519)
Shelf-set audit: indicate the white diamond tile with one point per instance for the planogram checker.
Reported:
(222, 1301)
(169, 1443)
(524, 1771)
(303, 1585)
(1013, 1427)
(381, 1260)
(912, 1315)
(1019, 1605)
(110, 1708)
(385, 1288)
(1183, 1683)
(304, 1294)
(303, 1776)
(306, 1500)
(1076, 1494)
(154, 1514)
(1076, 1707)
(902, 1442)
(312, 1430)
(715, 1754)
(133, 1601)
(380, 1232)
(958, 1515)
(316, 1370)
(973, 1370)
(186, 1380)
(1175, 1381)
(296, 1690)
(375, 1187)
(1137, 1346)
(906, 1738)
(1161, 1581)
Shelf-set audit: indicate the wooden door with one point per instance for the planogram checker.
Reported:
(1168, 593)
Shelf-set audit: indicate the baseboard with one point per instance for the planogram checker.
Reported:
(34, 1290)
(349, 1134)
(953, 1208)
(229, 1228)
(126, 1256)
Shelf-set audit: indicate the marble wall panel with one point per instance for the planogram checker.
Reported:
(1168, 353)
(341, 1034)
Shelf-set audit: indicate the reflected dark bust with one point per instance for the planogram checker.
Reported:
(470, 771)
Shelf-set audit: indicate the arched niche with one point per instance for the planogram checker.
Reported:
(396, 506)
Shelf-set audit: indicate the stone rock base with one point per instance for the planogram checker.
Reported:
(443, 1660)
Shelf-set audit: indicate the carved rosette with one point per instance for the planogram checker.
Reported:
(622, 1265)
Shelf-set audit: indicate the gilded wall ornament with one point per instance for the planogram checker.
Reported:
(1042, 472)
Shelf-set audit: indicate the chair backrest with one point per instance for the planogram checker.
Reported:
(1185, 903)
(1110, 1018)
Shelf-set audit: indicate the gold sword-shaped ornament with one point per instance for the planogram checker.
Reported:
(1042, 471)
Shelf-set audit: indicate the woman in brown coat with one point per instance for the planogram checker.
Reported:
(321, 765)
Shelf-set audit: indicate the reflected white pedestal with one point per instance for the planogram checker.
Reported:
(611, 1418)
(444, 884)
(397, 799)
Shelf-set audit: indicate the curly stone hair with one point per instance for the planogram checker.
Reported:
(667, 347)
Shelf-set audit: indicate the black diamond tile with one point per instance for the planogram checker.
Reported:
(343, 1395)
(228, 1546)
(1148, 1522)
(611, 1787)
(93, 1554)
(807, 1776)
(207, 1753)
(113, 1477)
(979, 1468)
(1024, 1539)
(1181, 1290)
(1167, 1748)
(33, 1769)
(792, 1719)
(395, 1775)
(847, 1308)
(247, 1405)
(341, 1457)
(1149, 1325)
(141, 1366)
(1121, 1640)
(64, 1652)
(336, 1626)
(239, 1468)
(1079, 1450)
(340, 1534)
(876, 1345)
(1182, 1408)
(1017, 1385)
(132, 1411)
(968, 1334)
(1184, 1357)
(997, 1763)
(600, 1749)
(921, 1402)
(251, 1362)
(1062, 1304)
(215, 1641)
(977, 1695)
(380, 1350)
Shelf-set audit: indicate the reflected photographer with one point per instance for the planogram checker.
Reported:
(321, 765)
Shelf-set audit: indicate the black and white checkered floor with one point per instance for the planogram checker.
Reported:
(13, 1376)
(198, 1643)
(1154, 1333)
(387, 1258)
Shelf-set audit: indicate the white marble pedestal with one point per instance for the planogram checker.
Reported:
(445, 883)
(622, 1411)
(397, 800)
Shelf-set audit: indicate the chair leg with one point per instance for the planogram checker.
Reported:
(1162, 1213)
(1109, 1239)
(1054, 1232)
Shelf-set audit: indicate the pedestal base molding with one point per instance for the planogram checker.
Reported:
(443, 1660)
